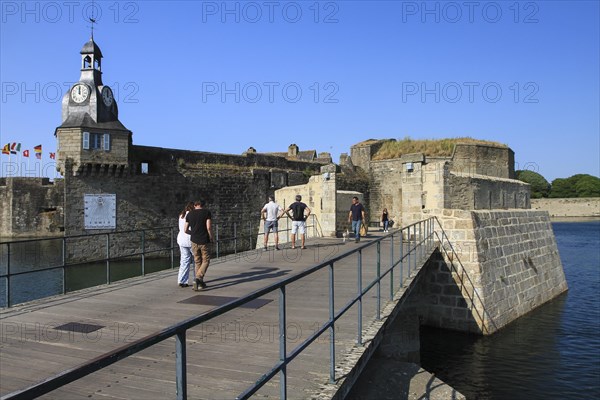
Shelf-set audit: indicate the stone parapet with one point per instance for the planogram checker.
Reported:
(497, 266)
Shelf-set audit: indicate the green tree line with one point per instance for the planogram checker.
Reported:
(579, 185)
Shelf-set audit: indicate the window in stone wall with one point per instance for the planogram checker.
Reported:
(96, 141)
(144, 168)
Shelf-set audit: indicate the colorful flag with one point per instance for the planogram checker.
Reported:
(15, 148)
(38, 151)
(52, 156)
(25, 153)
(6, 149)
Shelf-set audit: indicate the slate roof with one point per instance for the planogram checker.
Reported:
(84, 120)
(91, 48)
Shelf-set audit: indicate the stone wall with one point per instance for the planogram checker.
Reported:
(69, 142)
(569, 208)
(318, 194)
(506, 263)
(158, 183)
(6, 208)
(31, 207)
(489, 160)
(386, 189)
(472, 192)
(343, 203)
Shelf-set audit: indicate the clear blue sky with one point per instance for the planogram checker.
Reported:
(522, 73)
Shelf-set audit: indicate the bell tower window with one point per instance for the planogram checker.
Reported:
(96, 141)
(87, 62)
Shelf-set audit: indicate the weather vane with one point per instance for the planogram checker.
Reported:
(92, 19)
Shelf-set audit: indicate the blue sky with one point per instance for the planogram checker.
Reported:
(224, 76)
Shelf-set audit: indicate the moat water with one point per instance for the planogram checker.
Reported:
(550, 353)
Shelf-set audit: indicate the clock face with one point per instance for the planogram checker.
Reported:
(107, 96)
(80, 93)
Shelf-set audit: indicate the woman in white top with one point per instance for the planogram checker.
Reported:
(185, 248)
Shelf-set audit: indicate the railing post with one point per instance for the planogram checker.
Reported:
(8, 275)
(421, 252)
(391, 267)
(143, 252)
(217, 233)
(378, 317)
(250, 234)
(172, 249)
(282, 345)
(64, 268)
(415, 247)
(408, 250)
(401, 261)
(108, 258)
(235, 238)
(359, 273)
(181, 365)
(331, 326)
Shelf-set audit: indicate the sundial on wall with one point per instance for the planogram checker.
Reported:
(100, 211)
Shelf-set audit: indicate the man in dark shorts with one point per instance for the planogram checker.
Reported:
(198, 225)
(356, 216)
(298, 219)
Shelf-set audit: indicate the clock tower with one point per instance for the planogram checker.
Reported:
(91, 138)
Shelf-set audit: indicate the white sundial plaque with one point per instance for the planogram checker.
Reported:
(100, 211)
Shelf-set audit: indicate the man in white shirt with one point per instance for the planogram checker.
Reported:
(271, 213)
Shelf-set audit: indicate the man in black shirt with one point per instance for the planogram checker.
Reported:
(198, 225)
(356, 216)
(298, 219)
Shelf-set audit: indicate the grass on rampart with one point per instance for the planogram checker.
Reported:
(429, 147)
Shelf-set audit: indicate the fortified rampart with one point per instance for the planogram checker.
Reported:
(158, 183)
(588, 207)
(507, 259)
(414, 184)
(507, 265)
(31, 207)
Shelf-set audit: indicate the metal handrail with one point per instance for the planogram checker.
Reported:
(108, 258)
(475, 294)
(179, 330)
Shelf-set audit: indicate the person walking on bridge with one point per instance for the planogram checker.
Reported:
(185, 248)
(356, 216)
(198, 225)
(298, 219)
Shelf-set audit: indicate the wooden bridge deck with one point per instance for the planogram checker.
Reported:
(224, 355)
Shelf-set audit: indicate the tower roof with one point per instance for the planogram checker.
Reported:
(91, 48)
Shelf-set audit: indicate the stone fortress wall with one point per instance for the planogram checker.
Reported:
(31, 207)
(506, 261)
(235, 188)
(565, 209)
(488, 218)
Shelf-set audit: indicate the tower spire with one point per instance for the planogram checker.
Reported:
(92, 18)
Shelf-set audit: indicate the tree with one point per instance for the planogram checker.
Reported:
(587, 186)
(539, 185)
(580, 185)
(562, 188)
